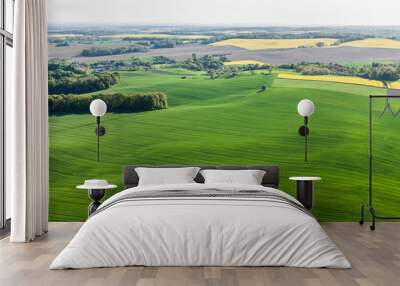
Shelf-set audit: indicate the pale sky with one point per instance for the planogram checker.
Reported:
(220, 12)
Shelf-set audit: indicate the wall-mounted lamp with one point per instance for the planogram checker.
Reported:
(305, 109)
(98, 108)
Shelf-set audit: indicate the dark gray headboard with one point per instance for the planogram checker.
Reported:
(271, 178)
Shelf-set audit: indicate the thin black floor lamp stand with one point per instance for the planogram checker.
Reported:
(305, 108)
(98, 145)
(369, 206)
(98, 108)
(305, 148)
(100, 131)
(304, 131)
(98, 137)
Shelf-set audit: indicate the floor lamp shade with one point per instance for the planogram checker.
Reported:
(305, 108)
(98, 107)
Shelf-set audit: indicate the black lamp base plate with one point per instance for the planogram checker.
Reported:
(100, 130)
(303, 130)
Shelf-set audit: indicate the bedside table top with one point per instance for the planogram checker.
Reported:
(86, 187)
(305, 178)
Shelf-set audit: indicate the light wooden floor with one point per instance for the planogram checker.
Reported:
(375, 257)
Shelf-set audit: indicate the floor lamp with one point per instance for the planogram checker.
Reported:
(305, 108)
(98, 108)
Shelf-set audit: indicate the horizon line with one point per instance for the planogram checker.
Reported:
(249, 25)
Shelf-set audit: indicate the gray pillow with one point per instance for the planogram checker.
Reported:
(247, 177)
(166, 176)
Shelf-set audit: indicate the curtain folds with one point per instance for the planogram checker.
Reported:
(27, 123)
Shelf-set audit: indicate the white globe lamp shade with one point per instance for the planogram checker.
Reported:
(305, 107)
(98, 107)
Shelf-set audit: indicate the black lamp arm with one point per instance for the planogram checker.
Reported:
(100, 131)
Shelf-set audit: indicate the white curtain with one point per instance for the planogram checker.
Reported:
(27, 124)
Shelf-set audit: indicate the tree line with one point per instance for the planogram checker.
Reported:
(375, 71)
(66, 77)
(131, 64)
(232, 71)
(116, 102)
(155, 43)
(378, 71)
(204, 63)
(108, 51)
(215, 68)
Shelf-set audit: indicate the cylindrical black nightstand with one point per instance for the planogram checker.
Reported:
(96, 190)
(305, 190)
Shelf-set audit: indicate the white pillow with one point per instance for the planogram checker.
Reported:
(248, 177)
(166, 176)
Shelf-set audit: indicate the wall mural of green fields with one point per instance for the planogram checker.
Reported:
(225, 105)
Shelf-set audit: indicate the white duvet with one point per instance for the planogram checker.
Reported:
(202, 232)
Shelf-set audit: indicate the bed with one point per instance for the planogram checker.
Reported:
(197, 224)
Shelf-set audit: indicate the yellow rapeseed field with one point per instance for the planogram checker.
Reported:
(160, 36)
(243, 62)
(260, 44)
(395, 84)
(333, 78)
(374, 43)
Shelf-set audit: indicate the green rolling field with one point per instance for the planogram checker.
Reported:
(229, 121)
